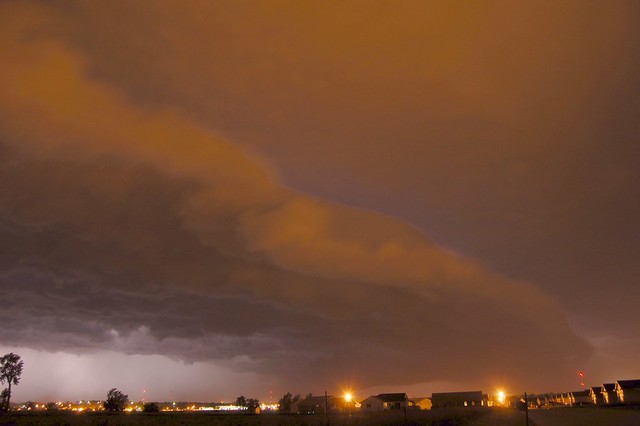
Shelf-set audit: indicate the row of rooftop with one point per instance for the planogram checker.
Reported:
(619, 392)
(390, 401)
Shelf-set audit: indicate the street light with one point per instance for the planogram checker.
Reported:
(347, 398)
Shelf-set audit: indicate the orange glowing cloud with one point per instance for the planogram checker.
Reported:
(324, 280)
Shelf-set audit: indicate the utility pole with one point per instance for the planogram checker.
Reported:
(526, 408)
(326, 406)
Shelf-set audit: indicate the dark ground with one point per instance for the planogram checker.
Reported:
(486, 417)
(586, 416)
(463, 417)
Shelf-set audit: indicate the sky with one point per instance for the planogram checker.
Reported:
(205, 199)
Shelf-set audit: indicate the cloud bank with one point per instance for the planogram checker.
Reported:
(134, 228)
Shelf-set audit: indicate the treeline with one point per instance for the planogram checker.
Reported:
(11, 367)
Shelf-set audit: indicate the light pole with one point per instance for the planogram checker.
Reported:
(348, 397)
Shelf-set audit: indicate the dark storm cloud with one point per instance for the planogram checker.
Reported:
(86, 314)
(507, 131)
(129, 224)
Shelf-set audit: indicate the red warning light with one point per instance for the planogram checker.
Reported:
(581, 374)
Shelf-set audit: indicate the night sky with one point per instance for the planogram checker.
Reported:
(202, 199)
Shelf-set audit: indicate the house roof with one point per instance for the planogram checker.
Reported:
(580, 393)
(456, 396)
(392, 397)
(316, 400)
(629, 384)
(608, 387)
(596, 389)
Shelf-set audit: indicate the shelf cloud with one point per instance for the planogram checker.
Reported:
(133, 228)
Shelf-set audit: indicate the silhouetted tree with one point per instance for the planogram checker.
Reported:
(150, 407)
(116, 400)
(249, 404)
(10, 372)
(252, 405)
(287, 401)
(241, 401)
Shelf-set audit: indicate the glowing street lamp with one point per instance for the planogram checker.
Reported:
(347, 399)
(501, 397)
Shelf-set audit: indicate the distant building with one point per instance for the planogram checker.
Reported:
(565, 398)
(458, 399)
(511, 401)
(542, 400)
(556, 399)
(609, 394)
(371, 404)
(596, 395)
(421, 403)
(628, 391)
(316, 405)
(532, 400)
(581, 397)
(384, 402)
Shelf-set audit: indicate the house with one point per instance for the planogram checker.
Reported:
(421, 403)
(511, 401)
(532, 400)
(372, 403)
(628, 391)
(316, 405)
(595, 393)
(581, 397)
(542, 400)
(458, 399)
(609, 394)
(556, 399)
(384, 402)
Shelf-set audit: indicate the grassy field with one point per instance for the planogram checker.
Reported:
(586, 416)
(485, 417)
(462, 417)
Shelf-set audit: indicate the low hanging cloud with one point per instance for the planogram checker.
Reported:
(136, 229)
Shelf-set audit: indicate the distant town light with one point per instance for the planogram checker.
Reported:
(347, 396)
(501, 397)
